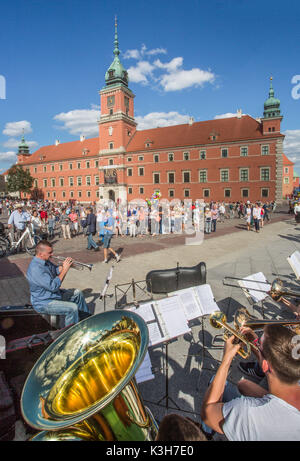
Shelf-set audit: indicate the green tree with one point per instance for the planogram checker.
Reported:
(19, 180)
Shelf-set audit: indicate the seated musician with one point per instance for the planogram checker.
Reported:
(45, 279)
(249, 412)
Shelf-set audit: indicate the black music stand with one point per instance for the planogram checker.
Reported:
(125, 289)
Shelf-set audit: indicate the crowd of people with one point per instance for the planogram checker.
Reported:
(135, 219)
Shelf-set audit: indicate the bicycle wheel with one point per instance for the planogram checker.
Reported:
(30, 244)
(3, 247)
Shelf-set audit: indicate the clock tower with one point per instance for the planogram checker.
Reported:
(116, 124)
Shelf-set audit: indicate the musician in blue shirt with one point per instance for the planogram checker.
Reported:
(45, 279)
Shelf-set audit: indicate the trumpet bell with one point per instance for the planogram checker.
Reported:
(83, 387)
(217, 319)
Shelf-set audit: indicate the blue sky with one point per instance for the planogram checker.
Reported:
(185, 58)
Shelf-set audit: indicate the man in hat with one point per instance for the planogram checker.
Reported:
(17, 221)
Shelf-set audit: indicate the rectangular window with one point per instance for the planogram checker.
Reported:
(52, 182)
(141, 158)
(60, 167)
(54, 194)
(63, 194)
(129, 190)
(45, 168)
(96, 163)
(71, 181)
(203, 176)
(97, 194)
(171, 193)
(186, 155)
(171, 178)
(45, 182)
(52, 167)
(97, 181)
(245, 193)
(35, 169)
(71, 194)
(141, 190)
(286, 170)
(186, 192)
(88, 180)
(129, 159)
(61, 181)
(224, 175)
(35, 183)
(244, 174)
(206, 193)
(224, 152)
(202, 154)
(171, 157)
(129, 171)
(286, 180)
(227, 193)
(265, 174)
(111, 161)
(141, 171)
(70, 166)
(48, 194)
(244, 151)
(79, 194)
(111, 145)
(265, 193)
(79, 181)
(265, 150)
(156, 158)
(186, 176)
(156, 178)
(88, 194)
(78, 165)
(87, 164)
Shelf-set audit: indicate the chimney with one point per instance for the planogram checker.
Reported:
(191, 121)
(239, 113)
(57, 142)
(82, 138)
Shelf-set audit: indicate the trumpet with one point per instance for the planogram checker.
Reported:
(75, 264)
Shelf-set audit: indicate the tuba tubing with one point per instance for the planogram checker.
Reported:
(83, 386)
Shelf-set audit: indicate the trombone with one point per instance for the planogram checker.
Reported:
(276, 292)
(75, 264)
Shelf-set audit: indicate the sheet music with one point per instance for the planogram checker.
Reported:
(172, 314)
(144, 373)
(294, 261)
(155, 334)
(206, 299)
(252, 287)
(190, 304)
(147, 312)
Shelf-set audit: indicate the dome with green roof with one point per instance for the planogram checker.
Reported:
(116, 73)
(272, 105)
(23, 148)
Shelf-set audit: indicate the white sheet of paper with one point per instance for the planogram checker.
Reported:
(146, 311)
(294, 261)
(155, 336)
(173, 316)
(206, 298)
(190, 303)
(252, 287)
(144, 373)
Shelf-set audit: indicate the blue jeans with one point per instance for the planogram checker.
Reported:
(72, 301)
(230, 392)
(91, 242)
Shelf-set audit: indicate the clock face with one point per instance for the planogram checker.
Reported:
(110, 100)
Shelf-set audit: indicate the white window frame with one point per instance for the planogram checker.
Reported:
(224, 148)
(265, 168)
(245, 154)
(262, 149)
(242, 190)
(244, 169)
(79, 181)
(222, 170)
(183, 173)
(155, 173)
(205, 180)
(129, 169)
(139, 172)
(171, 172)
(88, 181)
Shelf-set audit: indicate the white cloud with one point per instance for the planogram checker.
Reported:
(180, 79)
(16, 128)
(8, 156)
(171, 66)
(292, 147)
(79, 121)
(139, 54)
(160, 119)
(13, 143)
(227, 115)
(141, 72)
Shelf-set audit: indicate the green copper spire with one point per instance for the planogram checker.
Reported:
(23, 147)
(272, 104)
(116, 73)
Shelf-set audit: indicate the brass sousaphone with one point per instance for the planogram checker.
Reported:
(83, 386)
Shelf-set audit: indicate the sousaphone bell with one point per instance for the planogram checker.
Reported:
(83, 386)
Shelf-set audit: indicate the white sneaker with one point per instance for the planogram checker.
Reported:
(118, 258)
(105, 261)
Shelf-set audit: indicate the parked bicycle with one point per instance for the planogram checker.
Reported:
(9, 245)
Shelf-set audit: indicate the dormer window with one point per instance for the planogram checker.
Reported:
(111, 73)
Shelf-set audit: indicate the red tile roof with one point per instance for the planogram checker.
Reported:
(286, 161)
(199, 133)
(64, 151)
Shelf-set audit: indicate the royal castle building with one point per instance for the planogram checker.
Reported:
(230, 159)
